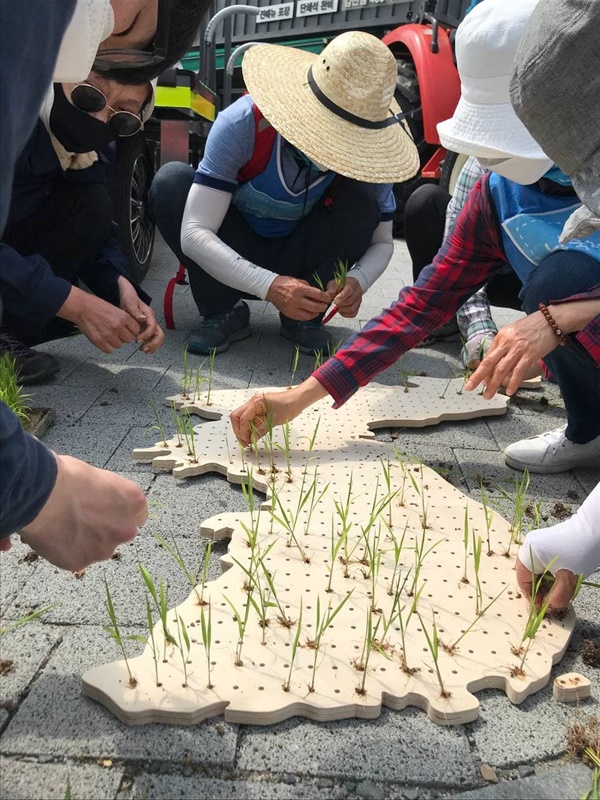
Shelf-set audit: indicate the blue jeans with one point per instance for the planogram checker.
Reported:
(561, 275)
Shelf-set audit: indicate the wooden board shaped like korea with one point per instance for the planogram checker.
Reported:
(344, 579)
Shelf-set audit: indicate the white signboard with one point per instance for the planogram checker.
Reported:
(308, 8)
(276, 13)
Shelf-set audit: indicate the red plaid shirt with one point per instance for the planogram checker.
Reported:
(471, 255)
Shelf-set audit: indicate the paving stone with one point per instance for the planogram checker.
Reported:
(369, 791)
(69, 402)
(94, 443)
(396, 746)
(83, 599)
(17, 565)
(4, 716)
(22, 781)
(176, 787)
(560, 783)
(473, 434)
(27, 647)
(55, 719)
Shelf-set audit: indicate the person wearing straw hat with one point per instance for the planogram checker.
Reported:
(321, 194)
(502, 222)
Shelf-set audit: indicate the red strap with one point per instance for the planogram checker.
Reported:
(180, 280)
(264, 139)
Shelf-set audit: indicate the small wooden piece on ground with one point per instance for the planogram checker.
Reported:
(571, 687)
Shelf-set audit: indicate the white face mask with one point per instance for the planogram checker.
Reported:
(92, 23)
(520, 170)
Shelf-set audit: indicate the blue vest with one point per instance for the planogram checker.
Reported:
(266, 203)
(531, 223)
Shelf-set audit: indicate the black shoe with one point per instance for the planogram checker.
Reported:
(218, 331)
(32, 367)
(309, 337)
(448, 332)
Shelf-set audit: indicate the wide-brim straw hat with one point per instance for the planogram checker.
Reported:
(336, 107)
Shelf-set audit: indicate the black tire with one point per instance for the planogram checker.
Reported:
(451, 167)
(408, 98)
(131, 176)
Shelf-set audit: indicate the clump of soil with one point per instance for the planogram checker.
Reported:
(590, 653)
(29, 557)
(6, 666)
(561, 511)
(584, 734)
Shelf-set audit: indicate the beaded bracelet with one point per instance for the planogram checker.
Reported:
(562, 339)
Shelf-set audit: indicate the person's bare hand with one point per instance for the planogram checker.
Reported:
(106, 326)
(89, 513)
(348, 300)
(151, 335)
(514, 349)
(561, 592)
(252, 420)
(297, 299)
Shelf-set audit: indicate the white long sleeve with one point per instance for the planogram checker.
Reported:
(376, 257)
(203, 216)
(574, 543)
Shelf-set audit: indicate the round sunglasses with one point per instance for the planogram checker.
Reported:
(88, 98)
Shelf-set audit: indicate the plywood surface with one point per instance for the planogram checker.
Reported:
(410, 556)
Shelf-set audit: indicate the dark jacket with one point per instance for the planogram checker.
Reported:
(28, 285)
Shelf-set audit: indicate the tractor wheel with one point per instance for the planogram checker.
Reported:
(451, 167)
(131, 177)
(408, 98)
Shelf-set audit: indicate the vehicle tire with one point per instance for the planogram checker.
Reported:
(131, 176)
(408, 98)
(451, 167)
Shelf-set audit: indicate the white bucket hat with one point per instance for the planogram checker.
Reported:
(336, 107)
(484, 123)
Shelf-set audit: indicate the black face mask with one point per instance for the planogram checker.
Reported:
(77, 131)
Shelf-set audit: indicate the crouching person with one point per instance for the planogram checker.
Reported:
(59, 231)
(295, 179)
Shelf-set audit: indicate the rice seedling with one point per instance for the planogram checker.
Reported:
(387, 476)
(477, 545)
(199, 380)
(115, 633)
(373, 555)
(175, 553)
(205, 566)
(254, 439)
(314, 499)
(451, 648)
(242, 623)
(368, 647)
(311, 444)
(190, 436)
(294, 366)
(186, 379)
(402, 374)
(318, 281)
(283, 618)
(286, 450)
(261, 606)
(150, 623)
(242, 456)
(226, 436)
(333, 347)
(535, 617)
(184, 639)
(319, 358)
(403, 626)
(433, 644)
(489, 516)
(404, 468)
(420, 556)
(206, 626)
(158, 426)
(398, 547)
(176, 423)
(443, 394)
(336, 543)
(323, 621)
(465, 577)
(340, 275)
(422, 496)
(288, 519)
(11, 392)
(28, 618)
(161, 601)
(68, 792)
(286, 684)
(520, 502)
(343, 510)
(211, 369)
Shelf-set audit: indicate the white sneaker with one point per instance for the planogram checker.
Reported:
(552, 452)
